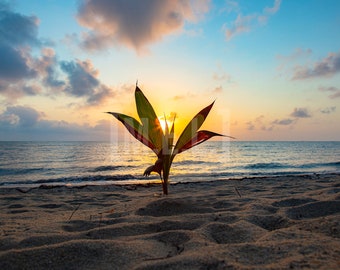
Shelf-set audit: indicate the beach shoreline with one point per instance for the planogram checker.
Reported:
(251, 223)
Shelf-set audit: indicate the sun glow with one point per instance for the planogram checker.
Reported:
(163, 120)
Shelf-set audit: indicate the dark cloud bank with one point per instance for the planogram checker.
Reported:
(30, 68)
(22, 73)
(24, 123)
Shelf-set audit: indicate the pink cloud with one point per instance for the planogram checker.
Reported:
(135, 23)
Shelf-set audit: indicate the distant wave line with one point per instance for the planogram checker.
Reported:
(73, 179)
(276, 165)
(109, 168)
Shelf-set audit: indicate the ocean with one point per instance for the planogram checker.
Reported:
(30, 164)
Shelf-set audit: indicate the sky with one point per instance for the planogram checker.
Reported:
(272, 67)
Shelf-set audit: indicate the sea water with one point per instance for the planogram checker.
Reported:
(86, 163)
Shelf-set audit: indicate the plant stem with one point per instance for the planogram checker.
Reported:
(165, 185)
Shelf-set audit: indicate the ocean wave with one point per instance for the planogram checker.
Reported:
(269, 165)
(110, 168)
(105, 168)
(320, 164)
(196, 162)
(280, 166)
(72, 180)
(15, 171)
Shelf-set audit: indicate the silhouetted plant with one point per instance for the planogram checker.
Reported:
(150, 133)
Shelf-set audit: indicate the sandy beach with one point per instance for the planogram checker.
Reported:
(290, 222)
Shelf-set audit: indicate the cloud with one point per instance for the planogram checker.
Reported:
(17, 29)
(178, 97)
(81, 76)
(134, 23)
(327, 67)
(188, 95)
(217, 90)
(14, 64)
(23, 74)
(332, 89)
(286, 61)
(79, 79)
(240, 25)
(47, 67)
(250, 125)
(328, 89)
(231, 6)
(26, 123)
(244, 23)
(20, 116)
(283, 122)
(42, 75)
(296, 54)
(328, 110)
(83, 82)
(273, 9)
(335, 95)
(221, 75)
(259, 124)
(300, 113)
(18, 33)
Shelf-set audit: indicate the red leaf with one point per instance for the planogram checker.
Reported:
(201, 136)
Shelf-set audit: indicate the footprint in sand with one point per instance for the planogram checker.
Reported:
(314, 210)
(269, 222)
(79, 226)
(174, 241)
(17, 209)
(241, 232)
(292, 202)
(50, 205)
(171, 207)
(122, 230)
(17, 205)
(172, 237)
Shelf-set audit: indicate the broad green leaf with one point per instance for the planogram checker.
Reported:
(191, 129)
(149, 119)
(136, 129)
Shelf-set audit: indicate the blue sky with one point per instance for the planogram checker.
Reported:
(273, 66)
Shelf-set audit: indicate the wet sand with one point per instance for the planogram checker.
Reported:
(290, 222)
